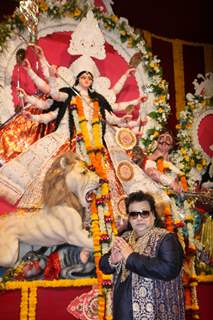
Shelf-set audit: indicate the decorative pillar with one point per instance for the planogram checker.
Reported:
(178, 75)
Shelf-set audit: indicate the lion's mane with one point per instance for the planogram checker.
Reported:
(55, 191)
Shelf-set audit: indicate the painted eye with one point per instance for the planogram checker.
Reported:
(92, 44)
(82, 43)
(84, 171)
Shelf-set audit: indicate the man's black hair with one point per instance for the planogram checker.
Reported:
(139, 196)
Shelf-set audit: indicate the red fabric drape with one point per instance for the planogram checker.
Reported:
(10, 304)
(193, 64)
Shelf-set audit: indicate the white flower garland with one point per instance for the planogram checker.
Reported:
(189, 157)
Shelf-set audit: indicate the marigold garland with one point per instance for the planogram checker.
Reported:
(12, 285)
(167, 211)
(24, 304)
(168, 219)
(91, 146)
(32, 303)
(160, 165)
(184, 183)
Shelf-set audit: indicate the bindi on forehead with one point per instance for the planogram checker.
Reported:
(86, 76)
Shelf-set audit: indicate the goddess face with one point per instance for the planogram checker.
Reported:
(86, 80)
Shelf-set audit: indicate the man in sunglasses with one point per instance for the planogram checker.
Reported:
(146, 261)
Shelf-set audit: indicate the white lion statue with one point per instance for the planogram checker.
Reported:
(67, 186)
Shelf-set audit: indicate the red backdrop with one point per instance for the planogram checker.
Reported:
(53, 302)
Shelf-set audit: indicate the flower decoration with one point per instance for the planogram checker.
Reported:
(103, 225)
(189, 159)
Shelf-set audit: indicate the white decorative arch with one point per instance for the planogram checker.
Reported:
(199, 117)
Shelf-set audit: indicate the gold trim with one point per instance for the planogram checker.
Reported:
(190, 43)
(125, 164)
(12, 285)
(205, 278)
(178, 75)
(148, 38)
(32, 302)
(123, 133)
(208, 58)
(121, 205)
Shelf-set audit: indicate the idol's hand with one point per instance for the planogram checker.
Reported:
(26, 64)
(21, 93)
(53, 71)
(39, 51)
(130, 71)
(143, 99)
(27, 115)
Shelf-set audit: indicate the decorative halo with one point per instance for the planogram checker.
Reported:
(121, 206)
(125, 170)
(125, 138)
(202, 134)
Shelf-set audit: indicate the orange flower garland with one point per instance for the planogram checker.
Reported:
(97, 255)
(167, 211)
(168, 219)
(24, 304)
(103, 225)
(32, 303)
(184, 183)
(160, 165)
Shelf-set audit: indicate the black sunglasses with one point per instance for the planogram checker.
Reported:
(143, 214)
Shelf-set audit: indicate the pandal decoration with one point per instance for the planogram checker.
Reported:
(101, 217)
(192, 160)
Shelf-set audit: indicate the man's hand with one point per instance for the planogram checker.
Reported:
(124, 247)
(116, 255)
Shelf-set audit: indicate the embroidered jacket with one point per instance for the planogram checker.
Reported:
(151, 288)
